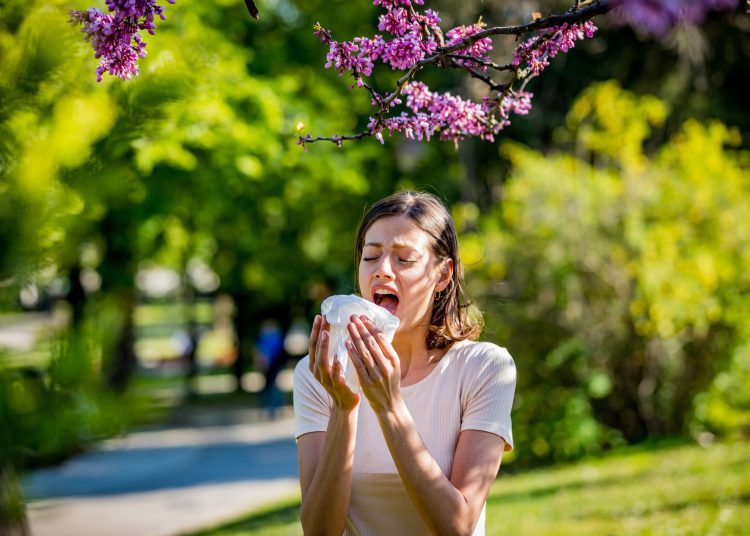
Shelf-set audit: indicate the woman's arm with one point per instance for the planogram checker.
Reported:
(326, 458)
(325, 473)
(447, 505)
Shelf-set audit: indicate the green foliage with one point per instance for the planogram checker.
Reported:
(624, 291)
(44, 97)
(49, 416)
(193, 158)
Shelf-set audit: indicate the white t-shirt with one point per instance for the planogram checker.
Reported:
(471, 388)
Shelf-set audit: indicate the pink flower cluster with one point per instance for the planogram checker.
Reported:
(536, 52)
(414, 36)
(115, 36)
(656, 17)
(452, 117)
(480, 49)
(136, 10)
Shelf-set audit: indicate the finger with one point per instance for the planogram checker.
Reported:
(369, 335)
(337, 375)
(359, 365)
(322, 363)
(382, 363)
(355, 327)
(372, 337)
(312, 345)
(341, 386)
(388, 352)
(367, 349)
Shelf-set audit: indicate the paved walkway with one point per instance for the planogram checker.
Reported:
(169, 481)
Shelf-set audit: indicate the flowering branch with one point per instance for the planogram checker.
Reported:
(572, 16)
(417, 42)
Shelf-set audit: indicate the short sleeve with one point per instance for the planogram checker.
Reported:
(312, 404)
(488, 398)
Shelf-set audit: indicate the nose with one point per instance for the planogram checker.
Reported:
(384, 267)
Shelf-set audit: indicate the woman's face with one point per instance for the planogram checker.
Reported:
(399, 270)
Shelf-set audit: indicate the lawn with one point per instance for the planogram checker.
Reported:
(676, 490)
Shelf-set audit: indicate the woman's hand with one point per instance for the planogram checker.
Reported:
(331, 377)
(377, 364)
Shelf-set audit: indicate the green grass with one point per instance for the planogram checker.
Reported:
(676, 490)
(280, 519)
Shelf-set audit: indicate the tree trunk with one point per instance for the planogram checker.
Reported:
(188, 294)
(76, 296)
(118, 271)
(123, 362)
(244, 327)
(13, 520)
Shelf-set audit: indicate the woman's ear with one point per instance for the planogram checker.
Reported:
(446, 275)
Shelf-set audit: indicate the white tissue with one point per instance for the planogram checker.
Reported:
(337, 311)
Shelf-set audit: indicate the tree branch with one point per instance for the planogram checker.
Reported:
(599, 7)
(338, 140)
(479, 61)
(494, 86)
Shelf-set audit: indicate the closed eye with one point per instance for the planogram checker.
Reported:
(402, 261)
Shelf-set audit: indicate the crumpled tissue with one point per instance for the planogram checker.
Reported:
(337, 311)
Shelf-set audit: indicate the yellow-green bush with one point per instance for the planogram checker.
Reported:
(619, 278)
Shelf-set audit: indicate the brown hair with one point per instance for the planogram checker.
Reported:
(450, 320)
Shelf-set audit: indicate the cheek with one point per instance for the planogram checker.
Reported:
(421, 284)
(362, 276)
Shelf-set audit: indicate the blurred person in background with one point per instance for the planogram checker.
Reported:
(270, 358)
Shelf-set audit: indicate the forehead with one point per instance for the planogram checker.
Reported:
(396, 232)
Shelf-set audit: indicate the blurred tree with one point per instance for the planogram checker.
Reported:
(622, 272)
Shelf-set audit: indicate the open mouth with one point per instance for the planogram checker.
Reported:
(385, 299)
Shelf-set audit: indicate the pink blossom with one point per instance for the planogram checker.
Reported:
(115, 36)
(341, 56)
(479, 49)
(116, 42)
(403, 52)
(431, 18)
(372, 48)
(537, 51)
(396, 21)
(518, 102)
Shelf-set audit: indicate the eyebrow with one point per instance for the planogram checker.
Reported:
(396, 245)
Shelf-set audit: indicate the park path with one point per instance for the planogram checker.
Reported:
(168, 481)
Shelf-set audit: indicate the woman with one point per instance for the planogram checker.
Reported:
(419, 454)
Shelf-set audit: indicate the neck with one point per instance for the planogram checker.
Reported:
(411, 347)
